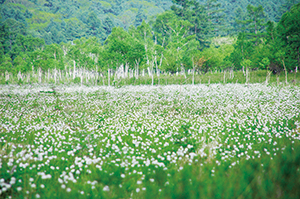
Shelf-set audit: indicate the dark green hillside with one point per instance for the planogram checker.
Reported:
(152, 36)
(60, 21)
(65, 20)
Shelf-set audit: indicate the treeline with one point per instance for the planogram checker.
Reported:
(189, 36)
(58, 21)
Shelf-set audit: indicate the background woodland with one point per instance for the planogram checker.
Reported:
(161, 36)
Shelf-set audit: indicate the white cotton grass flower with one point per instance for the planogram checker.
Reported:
(152, 139)
(106, 188)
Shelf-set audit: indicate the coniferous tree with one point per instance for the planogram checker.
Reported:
(288, 30)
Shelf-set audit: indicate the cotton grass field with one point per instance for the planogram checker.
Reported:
(201, 141)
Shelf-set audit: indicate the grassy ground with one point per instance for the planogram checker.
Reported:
(175, 141)
(207, 78)
(212, 78)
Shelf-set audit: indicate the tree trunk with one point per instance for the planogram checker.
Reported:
(6, 76)
(81, 76)
(268, 77)
(108, 77)
(40, 75)
(55, 75)
(285, 71)
(96, 75)
(247, 76)
(193, 80)
(298, 57)
(137, 70)
(74, 69)
(152, 65)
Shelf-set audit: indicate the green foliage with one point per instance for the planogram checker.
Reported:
(218, 56)
(246, 63)
(265, 62)
(288, 32)
(122, 48)
(100, 35)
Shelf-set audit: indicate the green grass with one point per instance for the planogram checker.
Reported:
(210, 78)
(175, 141)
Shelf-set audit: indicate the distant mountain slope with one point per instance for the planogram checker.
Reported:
(65, 20)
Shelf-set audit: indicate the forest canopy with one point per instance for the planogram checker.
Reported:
(165, 35)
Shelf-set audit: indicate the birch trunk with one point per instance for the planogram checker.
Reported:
(126, 70)
(6, 76)
(285, 71)
(28, 77)
(193, 80)
(55, 75)
(40, 75)
(108, 76)
(81, 76)
(137, 70)
(96, 75)
(268, 77)
(32, 71)
(152, 73)
(74, 69)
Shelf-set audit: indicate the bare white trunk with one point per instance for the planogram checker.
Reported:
(74, 69)
(193, 80)
(40, 75)
(96, 75)
(81, 76)
(247, 80)
(268, 77)
(285, 71)
(152, 73)
(32, 71)
(126, 70)
(6, 76)
(28, 77)
(108, 76)
(55, 75)
(137, 69)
